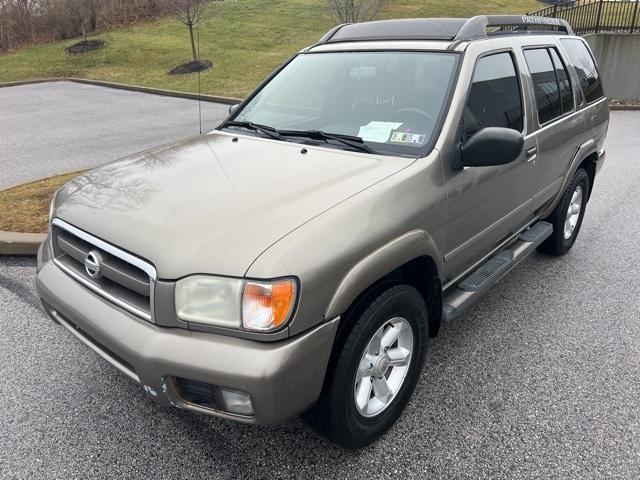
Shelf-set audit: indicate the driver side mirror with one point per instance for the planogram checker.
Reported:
(489, 147)
(233, 108)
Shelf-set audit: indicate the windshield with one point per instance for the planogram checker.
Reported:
(394, 101)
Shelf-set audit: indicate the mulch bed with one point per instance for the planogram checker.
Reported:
(85, 46)
(191, 67)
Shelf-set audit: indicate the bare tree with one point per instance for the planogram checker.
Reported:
(84, 15)
(5, 26)
(353, 11)
(190, 13)
(22, 14)
(24, 22)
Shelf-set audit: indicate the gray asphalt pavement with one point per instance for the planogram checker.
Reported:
(541, 379)
(52, 128)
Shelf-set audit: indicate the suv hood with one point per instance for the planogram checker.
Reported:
(211, 204)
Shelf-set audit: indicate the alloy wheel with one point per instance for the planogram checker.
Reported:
(573, 212)
(383, 367)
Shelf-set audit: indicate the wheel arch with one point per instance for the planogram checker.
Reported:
(589, 164)
(586, 157)
(411, 259)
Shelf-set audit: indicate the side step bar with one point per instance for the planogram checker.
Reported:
(469, 290)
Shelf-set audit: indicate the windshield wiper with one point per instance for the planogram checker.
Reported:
(349, 140)
(264, 129)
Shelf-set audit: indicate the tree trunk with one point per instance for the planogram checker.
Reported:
(193, 43)
(93, 18)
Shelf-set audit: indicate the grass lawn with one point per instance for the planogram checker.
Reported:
(245, 40)
(25, 208)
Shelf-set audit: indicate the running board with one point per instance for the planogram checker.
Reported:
(469, 290)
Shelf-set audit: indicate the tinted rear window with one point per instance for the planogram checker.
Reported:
(545, 84)
(585, 67)
(566, 95)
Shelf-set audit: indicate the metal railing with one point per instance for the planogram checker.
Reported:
(594, 16)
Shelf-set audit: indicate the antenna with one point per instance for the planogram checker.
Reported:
(199, 88)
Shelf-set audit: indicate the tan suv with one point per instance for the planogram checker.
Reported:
(297, 258)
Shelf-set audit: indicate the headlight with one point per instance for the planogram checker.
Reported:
(235, 303)
(209, 300)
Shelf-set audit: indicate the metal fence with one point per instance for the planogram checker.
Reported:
(594, 16)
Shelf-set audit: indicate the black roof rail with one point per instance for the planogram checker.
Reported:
(327, 36)
(476, 27)
(443, 29)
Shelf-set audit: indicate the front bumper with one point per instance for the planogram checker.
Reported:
(283, 378)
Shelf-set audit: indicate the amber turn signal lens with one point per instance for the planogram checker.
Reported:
(267, 305)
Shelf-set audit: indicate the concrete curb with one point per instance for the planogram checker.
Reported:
(15, 243)
(17, 83)
(624, 107)
(133, 88)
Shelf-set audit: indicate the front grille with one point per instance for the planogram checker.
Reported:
(120, 277)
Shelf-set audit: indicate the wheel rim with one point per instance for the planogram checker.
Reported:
(383, 367)
(573, 213)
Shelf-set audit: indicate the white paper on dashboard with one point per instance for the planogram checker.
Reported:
(377, 131)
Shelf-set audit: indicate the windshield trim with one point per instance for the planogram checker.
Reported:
(437, 130)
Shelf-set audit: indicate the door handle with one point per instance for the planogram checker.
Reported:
(532, 153)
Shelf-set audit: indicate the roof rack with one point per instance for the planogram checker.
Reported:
(445, 29)
(476, 27)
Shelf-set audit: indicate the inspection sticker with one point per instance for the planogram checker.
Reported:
(377, 131)
(402, 137)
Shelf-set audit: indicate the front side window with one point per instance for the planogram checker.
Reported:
(393, 100)
(494, 98)
(582, 60)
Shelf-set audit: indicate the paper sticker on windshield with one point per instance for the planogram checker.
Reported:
(402, 137)
(377, 131)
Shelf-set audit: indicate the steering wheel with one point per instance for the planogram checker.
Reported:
(415, 112)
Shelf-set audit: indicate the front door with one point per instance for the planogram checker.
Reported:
(489, 204)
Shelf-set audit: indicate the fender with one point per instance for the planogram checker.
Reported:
(380, 262)
(586, 149)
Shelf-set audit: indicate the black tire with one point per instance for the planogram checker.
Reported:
(335, 415)
(557, 244)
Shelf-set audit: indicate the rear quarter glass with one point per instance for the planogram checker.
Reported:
(585, 67)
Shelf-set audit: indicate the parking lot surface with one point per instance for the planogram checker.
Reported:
(52, 128)
(541, 379)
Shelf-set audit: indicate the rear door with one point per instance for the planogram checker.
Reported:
(589, 85)
(559, 129)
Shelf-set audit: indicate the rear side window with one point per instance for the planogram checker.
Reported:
(494, 99)
(550, 82)
(566, 94)
(582, 60)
